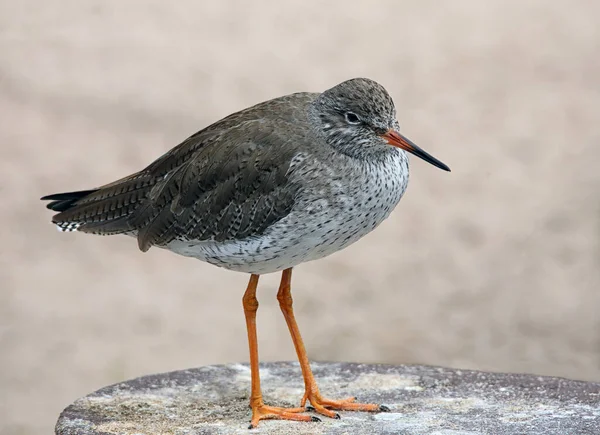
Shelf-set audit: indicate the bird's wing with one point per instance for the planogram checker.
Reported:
(220, 184)
(235, 188)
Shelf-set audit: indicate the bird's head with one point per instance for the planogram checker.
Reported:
(358, 116)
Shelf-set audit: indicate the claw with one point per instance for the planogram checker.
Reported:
(315, 419)
(383, 408)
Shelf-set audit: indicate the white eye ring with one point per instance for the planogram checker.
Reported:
(352, 118)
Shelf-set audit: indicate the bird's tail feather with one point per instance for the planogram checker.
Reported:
(105, 210)
(65, 201)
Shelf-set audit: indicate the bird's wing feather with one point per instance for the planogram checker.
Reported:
(232, 185)
(227, 181)
(232, 189)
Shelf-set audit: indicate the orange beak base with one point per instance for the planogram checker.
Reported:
(396, 139)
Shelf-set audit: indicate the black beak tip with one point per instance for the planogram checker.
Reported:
(435, 162)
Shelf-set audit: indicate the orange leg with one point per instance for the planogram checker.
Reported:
(320, 405)
(260, 411)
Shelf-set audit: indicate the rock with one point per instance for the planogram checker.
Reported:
(423, 400)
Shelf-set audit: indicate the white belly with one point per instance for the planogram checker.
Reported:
(321, 223)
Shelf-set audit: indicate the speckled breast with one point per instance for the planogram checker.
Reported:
(336, 207)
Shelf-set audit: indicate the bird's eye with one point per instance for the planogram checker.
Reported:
(352, 118)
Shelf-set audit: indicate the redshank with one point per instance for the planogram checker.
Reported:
(283, 182)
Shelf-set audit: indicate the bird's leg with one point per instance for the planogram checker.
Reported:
(260, 411)
(320, 404)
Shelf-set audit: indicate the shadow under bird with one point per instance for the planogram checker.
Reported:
(283, 182)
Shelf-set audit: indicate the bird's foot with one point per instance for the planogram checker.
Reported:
(327, 407)
(264, 412)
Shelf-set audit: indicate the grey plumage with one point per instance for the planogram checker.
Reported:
(255, 174)
(225, 182)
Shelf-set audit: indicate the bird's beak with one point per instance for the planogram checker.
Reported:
(396, 139)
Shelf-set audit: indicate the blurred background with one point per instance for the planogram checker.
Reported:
(495, 266)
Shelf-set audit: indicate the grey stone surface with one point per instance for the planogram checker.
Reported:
(422, 399)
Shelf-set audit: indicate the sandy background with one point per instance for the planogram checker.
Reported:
(494, 266)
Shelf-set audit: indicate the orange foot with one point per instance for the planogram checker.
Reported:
(264, 412)
(325, 406)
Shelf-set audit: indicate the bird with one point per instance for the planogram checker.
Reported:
(286, 181)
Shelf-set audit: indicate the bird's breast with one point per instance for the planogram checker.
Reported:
(355, 187)
(337, 203)
(367, 192)
(341, 202)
